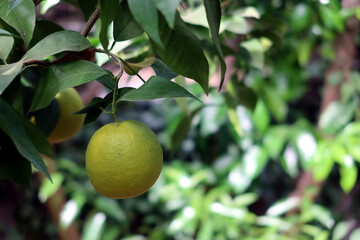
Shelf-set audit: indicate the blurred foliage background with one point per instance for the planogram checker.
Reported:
(234, 163)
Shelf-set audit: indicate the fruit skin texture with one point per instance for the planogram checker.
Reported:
(123, 160)
(69, 124)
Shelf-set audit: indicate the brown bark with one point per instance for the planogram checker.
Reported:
(344, 48)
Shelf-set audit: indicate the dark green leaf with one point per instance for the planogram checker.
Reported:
(6, 44)
(242, 95)
(162, 70)
(145, 13)
(22, 18)
(108, 10)
(38, 138)
(8, 73)
(168, 10)
(63, 76)
(13, 4)
(107, 80)
(47, 118)
(336, 116)
(190, 60)
(12, 165)
(12, 125)
(93, 109)
(157, 87)
(213, 15)
(87, 7)
(65, 41)
(246, 97)
(125, 26)
(44, 28)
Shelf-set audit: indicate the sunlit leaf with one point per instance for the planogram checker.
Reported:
(65, 41)
(22, 17)
(8, 73)
(6, 44)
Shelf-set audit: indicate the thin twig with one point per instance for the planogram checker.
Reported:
(90, 23)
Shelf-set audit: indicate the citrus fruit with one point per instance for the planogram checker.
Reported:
(69, 124)
(123, 159)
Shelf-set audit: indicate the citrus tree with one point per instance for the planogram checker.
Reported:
(40, 59)
(272, 155)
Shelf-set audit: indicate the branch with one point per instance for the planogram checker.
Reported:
(90, 23)
(30, 62)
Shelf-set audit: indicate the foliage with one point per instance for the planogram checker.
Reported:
(232, 157)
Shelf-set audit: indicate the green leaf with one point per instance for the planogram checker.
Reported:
(323, 161)
(275, 139)
(22, 18)
(261, 116)
(8, 73)
(87, 7)
(63, 76)
(348, 174)
(256, 50)
(182, 129)
(157, 87)
(234, 119)
(336, 116)
(65, 41)
(98, 103)
(304, 51)
(145, 13)
(6, 44)
(47, 118)
(340, 230)
(301, 17)
(162, 70)
(13, 4)
(38, 138)
(125, 26)
(168, 10)
(355, 234)
(213, 14)
(94, 227)
(276, 105)
(108, 10)
(306, 145)
(181, 42)
(48, 189)
(44, 28)
(107, 80)
(12, 125)
(12, 165)
(331, 18)
(254, 161)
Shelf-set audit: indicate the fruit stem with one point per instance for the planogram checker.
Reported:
(115, 91)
